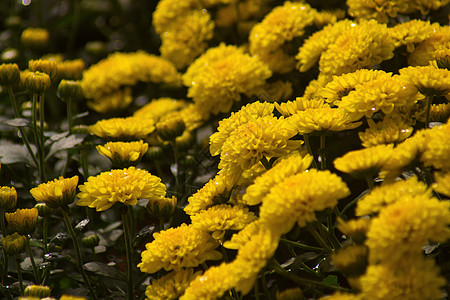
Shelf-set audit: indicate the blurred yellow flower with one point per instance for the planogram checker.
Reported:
(290, 294)
(123, 154)
(125, 186)
(356, 229)
(439, 113)
(171, 286)
(219, 218)
(39, 291)
(217, 78)
(45, 66)
(158, 108)
(35, 38)
(168, 11)
(426, 51)
(177, 248)
(59, 192)
(342, 296)
(436, 150)
(351, 260)
(70, 297)
(297, 198)
(243, 237)
(119, 99)
(377, 10)
(442, 185)
(284, 167)
(429, 80)
(170, 126)
(131, 128)
(22, 221)
(385, 132)
(276, 91)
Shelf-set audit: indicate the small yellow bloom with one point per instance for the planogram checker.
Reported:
(70, 89)
(429, 80)
(171, 286)
(22, 221)
(170, 127)
(69, 297)
(37, 82)
(40, 291)
(158, 108)
(130, 128)
(8, 198)
(385, 132)
(123, 154)
(9, 74)
(35, 38)
(125, 186)
(56, 193)
(412, 32)
(70, 69)
(45, 66)
(242, 237)
(436, 151)
(14, 244)
(177, 248)
(161, 207)
(290, 108)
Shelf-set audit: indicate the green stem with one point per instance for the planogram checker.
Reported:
(303, 246)
(45, 234)
(353, 202)
(205, 266)
(77, 251)
(161, 223)
(369, 181)
(256, 291)
(41, 140)
(22, 132)
(265, 287)
(319, 238)
(129, 251)
(266, 163)
(19, 274)
(322, 154)
(3, 224)
(429, 100)
(37, 276)
(69, 114)
(308, 147)
(36, 134)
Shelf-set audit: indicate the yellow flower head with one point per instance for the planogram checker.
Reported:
(123, 154)
(59, 192)
(412, 32)
(22, 221)
(378, 10)
(277, 91)
(439, 113)
(243, 237)
(290, 108)
(404, 227)
(125, 69)
(368, 161)
(389, 193)
(45, 66)
(281, 25)
(70, 69)
(429, 80)
(351, 261)
(380, 94)
(284, 167)
(342, 85)
(426, 50)
(37, 82)
(172, 285)
(385, 132)
(8, 198)
(296, 199)
(442, 185)
(14, 244)
(419, 279)
(356, 229)
(9, 74)
(168, 11)
(360, 46)
(39, 291)
(35, 38)
(170, 126)
(249, 143)
(322, 18)
(425, 5)
(320, 120)
(115, 101)
(247, 113)
(219, 218)
(131, 128)
(161, 207)
(436, 151)
(217, 78)
(187, 38)
(443, 58)
(176, 248)
(158, 108)
(125, 186)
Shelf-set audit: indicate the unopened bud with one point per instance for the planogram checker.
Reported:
(70, 89)
(37, 82)
(170, 127)
(43, 209)
(9, 74)
(161, 207)
(8, 198)
(45, 66)
(39, 291)
(90, 241)
(14, 244)
(22, 221)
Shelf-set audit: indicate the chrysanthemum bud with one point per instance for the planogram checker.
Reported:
(90, 241)
(43, 209)
(81, 129)
(9, 74)
(351, 261)
(123, 154)
(71, 69)
(23, 221)
(443, 58)
(155, 152)
(39, 291)
(290, 294)
(170, 127)
(35, 38)
(14, 244)
(56, 193)
(8, 198)
(70, 89)
(45, 66)
(161, 207)
(37, 82)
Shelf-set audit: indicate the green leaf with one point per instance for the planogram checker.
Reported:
(104, 270)
(65, 143)
(331, 280)
(13, 153)
(18, 122)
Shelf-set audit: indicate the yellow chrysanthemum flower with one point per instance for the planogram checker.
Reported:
(389, 193)
(243, 237)
(439, 113)
(35, 38)
(8, 198)
(249, 143)
(296, 199)
(361, 45)
(377, 10)
(365, 161)
(412, 32)
(299, 104)
(219, 218)
(321, 120)
(170, 286)
(281, 25)
(247, 113)
(131, 128)
(426, 50)
(428, 80)
(404, 227)
(22, 221)
(168, 11)
(161, 207)
(313, 47)
(212, 284)
(119, 99)
(342, 85)
(384, 132)
(177, 248)
(416, 280)
(351, 260)
(284, 167)
(442, 185)
(218, 77)
(126, 69)
(215, 191)
(322, 18)
(158, 108)
(356, 229)
(425, 5)
(381, 94)
(56, 193)
(436, 151)
(123, 154)
(14, 243)
(125, 186)
(186, 38)
(70, 69)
